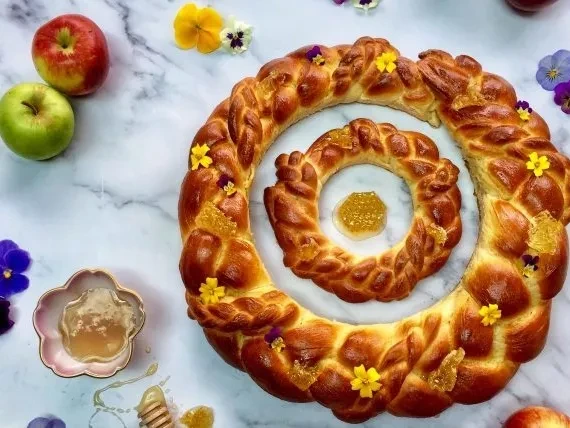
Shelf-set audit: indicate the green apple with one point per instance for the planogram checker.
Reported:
(36, 121)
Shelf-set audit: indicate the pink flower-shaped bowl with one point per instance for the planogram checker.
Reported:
(48, 313)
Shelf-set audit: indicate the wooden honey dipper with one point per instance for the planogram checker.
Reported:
(152, 411)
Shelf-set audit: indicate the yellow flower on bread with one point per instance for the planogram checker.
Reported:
(199, 28)
(537, 164)
(199, 156)
(210, 292)
(386, 62)
(366, 381)
(490, 314)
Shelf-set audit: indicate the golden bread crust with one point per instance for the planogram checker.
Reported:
(517, 208)
(537, 417)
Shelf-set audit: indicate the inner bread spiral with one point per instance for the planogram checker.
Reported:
(464, 348)
(293, 208)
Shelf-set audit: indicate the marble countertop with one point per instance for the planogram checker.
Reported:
(111, 199)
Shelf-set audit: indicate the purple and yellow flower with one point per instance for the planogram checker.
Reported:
(225, 183)
(315, 55)
(275, 340)
(365, 4)
(13, 263)
(5, 322)
(530, 264)
(562, 96)
(49, 422)
(554, 69)
(523, 109)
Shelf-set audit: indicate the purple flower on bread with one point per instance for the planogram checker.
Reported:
(554, 69)
(48, 422)
(273, 334)
(13, 263)
(5, 322)
(315, 55)
(523, 109)
(562, 96)
(530, 265)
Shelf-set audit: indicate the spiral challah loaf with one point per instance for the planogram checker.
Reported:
(292, 206)
(463, 349)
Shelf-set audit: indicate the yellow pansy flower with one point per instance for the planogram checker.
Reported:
(230, 188)
(278, 344)
(490, 314)
(210, 292)
(198, 27)
(537, 164)
(365, 381)
(386, 62)
(199, 157)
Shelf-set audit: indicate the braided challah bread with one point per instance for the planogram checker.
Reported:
(292, 206)
(463, 349)
(537, 417)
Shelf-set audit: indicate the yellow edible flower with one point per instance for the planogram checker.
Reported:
(366, 381)
(537, 164)
(198, 27)
(386, 62)
(490, 314)
(278, 344)
(199, 157)
(210, 292)
(230, 188)
(523, 114)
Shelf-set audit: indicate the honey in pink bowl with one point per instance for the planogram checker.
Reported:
(96, 327)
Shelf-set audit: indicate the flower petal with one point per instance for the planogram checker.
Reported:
(546, 62)
(187, 14)
(375, 386)
(360, 372)
(561, 58)
(186, 36)
(366, 391)
(5, 246)
(17, 260)
(543, 79)
(18, 283)
(208, 41)
(372, 374)
(210, 20)
(356, 384)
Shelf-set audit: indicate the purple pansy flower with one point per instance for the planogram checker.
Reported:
(523, 105)
(529, 260)
(562, 96)
(315, 55)
(554, 69)
(49, 422)
(13, 262)
(223, 181)
(5, 322)
(274, 334)
(339, 1)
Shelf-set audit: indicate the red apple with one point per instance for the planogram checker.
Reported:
(530, 5)
(70, 53)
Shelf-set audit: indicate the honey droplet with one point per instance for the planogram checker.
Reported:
(438, 233)
(97, 326)
(213, 220)
(198, 417)
(151, 395)
(340, 137)
(444, 378)
(361, 215)
(302, 376)
(544, 233)
(309, 250)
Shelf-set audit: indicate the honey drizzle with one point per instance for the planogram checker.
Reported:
(303, 376)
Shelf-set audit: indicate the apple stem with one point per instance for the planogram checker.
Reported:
(31, 106)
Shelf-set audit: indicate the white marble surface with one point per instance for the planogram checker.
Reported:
(111, 199)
